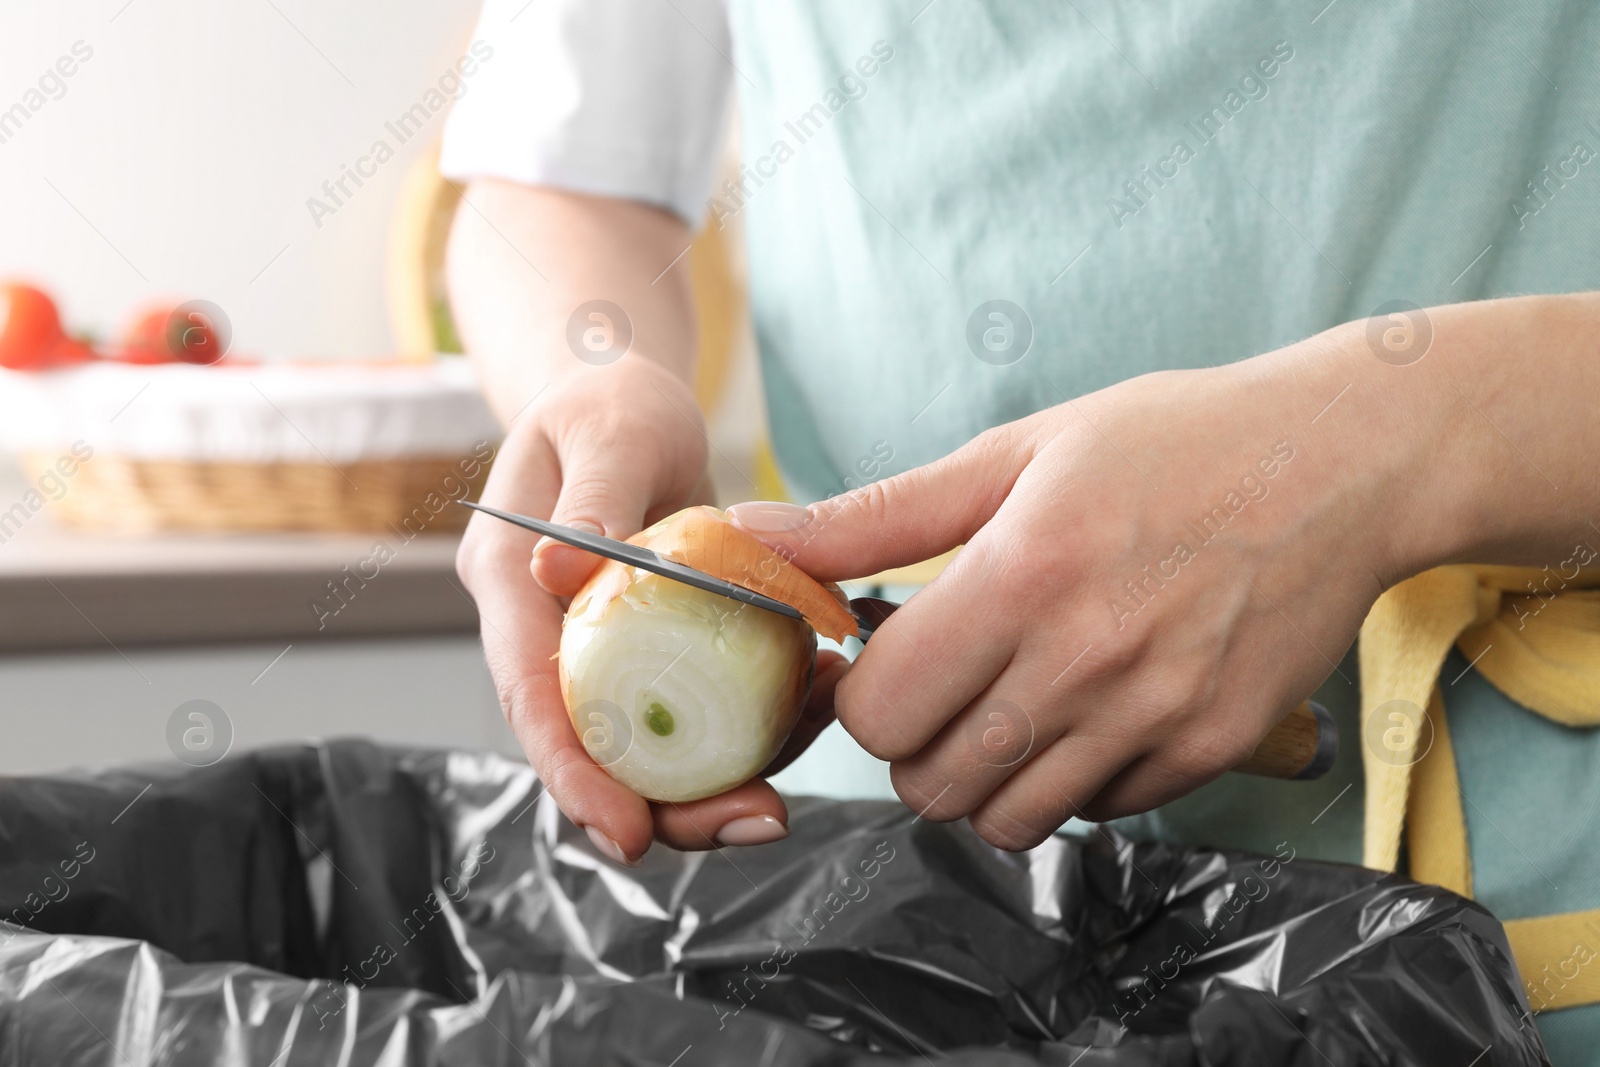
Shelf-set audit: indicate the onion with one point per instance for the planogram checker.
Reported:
(679, 693)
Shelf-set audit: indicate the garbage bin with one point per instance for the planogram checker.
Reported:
(346, 903)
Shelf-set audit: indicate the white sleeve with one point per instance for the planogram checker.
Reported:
(624, 98)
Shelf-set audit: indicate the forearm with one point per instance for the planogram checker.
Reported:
(610, 446)
(523, 259)
(1490, 441)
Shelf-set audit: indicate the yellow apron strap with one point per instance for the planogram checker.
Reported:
(1535, 636)
(1553, 952)
(1404, 641)
(1544, 653)
(1436, 828)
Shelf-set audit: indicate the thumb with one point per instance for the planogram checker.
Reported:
(603, 491)
(895, 522)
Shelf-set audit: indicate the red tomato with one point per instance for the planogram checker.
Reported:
(198, 333)
(30, 328)
(145, 339)
(192, 332)
(71, 351)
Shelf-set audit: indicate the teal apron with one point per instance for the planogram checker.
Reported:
(1168, 186)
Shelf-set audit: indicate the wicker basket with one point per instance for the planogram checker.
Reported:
(117, 494)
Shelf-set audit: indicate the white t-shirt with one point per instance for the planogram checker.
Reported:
(624, 98)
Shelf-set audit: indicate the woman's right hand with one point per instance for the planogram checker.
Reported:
(611, 449)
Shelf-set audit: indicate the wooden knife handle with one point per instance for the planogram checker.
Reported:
(1302, 746)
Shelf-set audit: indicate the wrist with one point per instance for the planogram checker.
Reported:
(1386, 468)
(516, 378)
(1464, 421)
(634, 383)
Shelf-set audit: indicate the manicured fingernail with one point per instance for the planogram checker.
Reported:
(752, 830)
(609, 848)
(577, 524)
(769, 516)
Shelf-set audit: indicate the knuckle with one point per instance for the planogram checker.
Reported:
(1102, 662)
(993, 446)
(884, 743)
(1172, 699)
(1016, 570)
(871, 719)
(595, 498)
(591, 430)
(1004, 831)
(508, 690)
(1231, 752)
(559, 769)
(520, 694)
(467, 556)
(998, 734)
(1108, 810)
(1194, 680)
(870, 503)
(1210, 753)
(881, 746)
(999, 453)
(991, 440)
(931, 801)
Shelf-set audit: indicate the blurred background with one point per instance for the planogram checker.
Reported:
(159, 152)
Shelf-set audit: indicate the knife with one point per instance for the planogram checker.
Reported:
(868, 616)
(1303, 744)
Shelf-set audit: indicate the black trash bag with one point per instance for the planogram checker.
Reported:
(346, 903)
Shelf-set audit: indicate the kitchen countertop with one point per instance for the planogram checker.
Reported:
(60, 589)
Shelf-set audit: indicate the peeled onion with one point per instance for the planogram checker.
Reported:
(679, 693)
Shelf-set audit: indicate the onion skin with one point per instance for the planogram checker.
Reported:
(682, 694)
(704, 539)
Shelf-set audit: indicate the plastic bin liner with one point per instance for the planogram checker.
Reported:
(345, 903)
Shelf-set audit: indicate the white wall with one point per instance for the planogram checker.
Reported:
(192, 138)
(190, 141)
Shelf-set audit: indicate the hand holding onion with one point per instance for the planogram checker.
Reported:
(682, 694)
(567, 457)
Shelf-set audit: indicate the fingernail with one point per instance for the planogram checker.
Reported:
(769, 516)
(610, 848)
(577, 524)
(752, 830)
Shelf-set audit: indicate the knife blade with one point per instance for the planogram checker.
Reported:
(638, 556)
